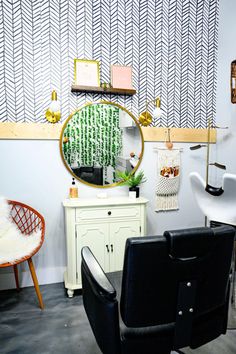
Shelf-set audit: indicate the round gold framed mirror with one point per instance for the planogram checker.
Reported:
(98, 140)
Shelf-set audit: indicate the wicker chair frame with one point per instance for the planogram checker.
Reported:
(28, 220)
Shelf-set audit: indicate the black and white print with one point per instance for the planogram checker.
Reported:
(171, 45)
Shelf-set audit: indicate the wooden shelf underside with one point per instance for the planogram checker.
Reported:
(109, 90)
(47, 131)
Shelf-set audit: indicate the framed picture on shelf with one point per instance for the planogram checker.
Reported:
(121, 77)
(86, 72)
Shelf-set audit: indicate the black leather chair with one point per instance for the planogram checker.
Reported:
(174, 292)
(233, 264)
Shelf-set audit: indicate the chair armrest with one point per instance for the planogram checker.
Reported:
(96, 275)
(100, 303)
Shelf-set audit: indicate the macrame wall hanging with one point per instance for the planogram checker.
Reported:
(93, 138)
(168, 179)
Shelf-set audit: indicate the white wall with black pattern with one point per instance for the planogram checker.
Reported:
(171, 45)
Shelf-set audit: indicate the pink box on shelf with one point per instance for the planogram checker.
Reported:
(121, 77)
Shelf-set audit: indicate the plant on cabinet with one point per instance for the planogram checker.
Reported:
(132, 180)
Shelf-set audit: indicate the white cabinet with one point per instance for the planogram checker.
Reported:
(119, 232)
(104, 225)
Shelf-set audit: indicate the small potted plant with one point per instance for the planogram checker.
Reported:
(132, 180)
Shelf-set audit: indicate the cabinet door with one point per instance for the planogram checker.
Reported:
(95, 236)
(119, 232)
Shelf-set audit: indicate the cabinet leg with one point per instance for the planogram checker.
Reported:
(70, 293)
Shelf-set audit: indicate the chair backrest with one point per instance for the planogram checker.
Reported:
(181, 277)
(26, 218)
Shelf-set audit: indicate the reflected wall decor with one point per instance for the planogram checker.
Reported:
(97, 141)
(93, 137)
(170, 44)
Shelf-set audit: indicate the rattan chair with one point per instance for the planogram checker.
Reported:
(28, 220)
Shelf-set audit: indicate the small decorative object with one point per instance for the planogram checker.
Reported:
(102, 195)
(134, 159)
(86, 72)
(168, 178)
(133, 194)
(65, 139)
(169, 144)
(132, 180)
(73, 193)
(146, 118)
(53, 114)
(233, 81)
(105, 85)
(121, 77)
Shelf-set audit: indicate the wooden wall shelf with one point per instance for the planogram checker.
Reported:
(47, 131)
(179, 135)
(95, 89)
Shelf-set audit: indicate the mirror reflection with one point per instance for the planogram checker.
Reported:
(99, 140)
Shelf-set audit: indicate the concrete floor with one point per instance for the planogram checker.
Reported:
(62, 328)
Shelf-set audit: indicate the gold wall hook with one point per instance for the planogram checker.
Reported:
(169, 144)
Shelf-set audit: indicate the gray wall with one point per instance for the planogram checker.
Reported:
(32, 172)
(226, 111)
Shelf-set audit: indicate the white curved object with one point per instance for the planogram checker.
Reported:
(217, 208)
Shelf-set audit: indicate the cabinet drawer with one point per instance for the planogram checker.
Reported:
(106, 213)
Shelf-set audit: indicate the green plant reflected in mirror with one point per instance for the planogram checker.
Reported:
(99, 140)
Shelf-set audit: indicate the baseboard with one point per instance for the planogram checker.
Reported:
(45, 276)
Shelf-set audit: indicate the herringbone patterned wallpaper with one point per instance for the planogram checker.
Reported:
(171, 44)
